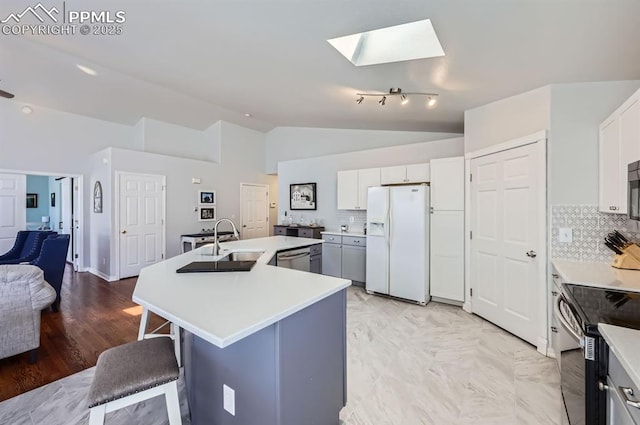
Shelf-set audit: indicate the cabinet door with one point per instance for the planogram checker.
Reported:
(609, 171)
(367, 178)
(332, 259)
(391, 175)
(354, 263)
(347, 190)
(629, 147)
(447, 255)
(447, 184)
(418, 173)
(316, 264)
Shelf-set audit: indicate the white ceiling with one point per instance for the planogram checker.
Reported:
(196, 62)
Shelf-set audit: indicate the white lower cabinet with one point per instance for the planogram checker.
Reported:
(447, 255)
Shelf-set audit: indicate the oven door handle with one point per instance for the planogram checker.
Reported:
(563, 321)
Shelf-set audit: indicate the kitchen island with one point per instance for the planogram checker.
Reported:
(270, 342)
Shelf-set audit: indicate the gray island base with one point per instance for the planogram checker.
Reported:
(292, 372)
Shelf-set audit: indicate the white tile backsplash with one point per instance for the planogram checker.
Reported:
(359, 219)
(590, 226)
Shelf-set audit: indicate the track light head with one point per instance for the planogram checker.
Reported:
(404, 100)
(431, 101)
(359, 100)
(383, 100)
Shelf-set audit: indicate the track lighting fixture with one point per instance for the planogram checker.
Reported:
(404, 97)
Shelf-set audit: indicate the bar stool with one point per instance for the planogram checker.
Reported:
(132, 373)
(174, 333)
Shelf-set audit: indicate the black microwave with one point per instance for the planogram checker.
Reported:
(634, 190)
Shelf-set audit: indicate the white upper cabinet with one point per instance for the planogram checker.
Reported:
(414, 173)
(447, 184)
(347, 190)
(353, 186)
(367, 178)
(619, 145)
(418, 173)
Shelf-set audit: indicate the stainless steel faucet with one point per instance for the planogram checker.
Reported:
(216, 245)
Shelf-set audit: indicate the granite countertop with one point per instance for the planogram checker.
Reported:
(223, 308)
(600, 275)
(625, 343)
(347, 233)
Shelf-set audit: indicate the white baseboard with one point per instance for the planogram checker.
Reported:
(447, 301)
(543, 346)
(101, 275)
(467, 307)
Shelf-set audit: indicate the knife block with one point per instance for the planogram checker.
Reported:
(625, 261)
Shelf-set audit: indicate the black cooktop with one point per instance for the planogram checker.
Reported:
(599, 305)
(217, 266)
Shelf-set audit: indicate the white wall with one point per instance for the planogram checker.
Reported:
(242, 153)
(507, 119)
(288, 143)
(576, 112)
(174, 140)
(323, 171)
(57, 143)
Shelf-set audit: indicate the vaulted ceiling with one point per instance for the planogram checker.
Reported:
(196, 62)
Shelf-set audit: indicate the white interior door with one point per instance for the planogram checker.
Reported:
(13, 208)
(507, 210)
(254, 201)
(66, 225)
(141, 222)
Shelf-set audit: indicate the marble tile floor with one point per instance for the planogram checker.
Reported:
(407, 365)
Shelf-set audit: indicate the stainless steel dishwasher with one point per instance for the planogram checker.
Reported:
(298, 259)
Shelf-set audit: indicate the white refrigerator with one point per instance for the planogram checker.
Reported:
(398, 242)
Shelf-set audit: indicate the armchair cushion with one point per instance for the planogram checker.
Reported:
(53, 259)
(31, 244)
(23, 294)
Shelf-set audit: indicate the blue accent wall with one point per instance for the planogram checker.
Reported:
(39, 185)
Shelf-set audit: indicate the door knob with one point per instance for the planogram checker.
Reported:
(532, 254)
(123, 232)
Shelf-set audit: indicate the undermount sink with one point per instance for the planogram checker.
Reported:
(242, 256)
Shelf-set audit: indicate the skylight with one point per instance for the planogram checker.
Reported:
(415, 40)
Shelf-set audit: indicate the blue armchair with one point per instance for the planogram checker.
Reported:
(26, 247)
(52, 261)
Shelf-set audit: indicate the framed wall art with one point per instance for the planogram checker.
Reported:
(206, 213)
(207, 197)
(32, 200)
(97, 198)
(302, 196)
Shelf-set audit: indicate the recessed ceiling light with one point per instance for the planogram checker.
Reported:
(87, 70)
(415, 40)
(26, 109)
(248, 115)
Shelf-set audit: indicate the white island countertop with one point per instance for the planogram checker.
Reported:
(625, 343)
(600, 275)
(224, 307)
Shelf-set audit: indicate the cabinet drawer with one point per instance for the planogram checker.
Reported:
(332, 238)
(305, 233)
(316, 249)
(279, 230)
(354, 240)
(621, 379)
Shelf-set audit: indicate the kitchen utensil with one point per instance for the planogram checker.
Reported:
(613, 248)
(620, 235)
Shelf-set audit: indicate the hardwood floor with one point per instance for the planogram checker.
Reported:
(94, 315)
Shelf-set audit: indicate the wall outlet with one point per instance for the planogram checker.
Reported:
(565, 235)
(196, 180)
(229, 399)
